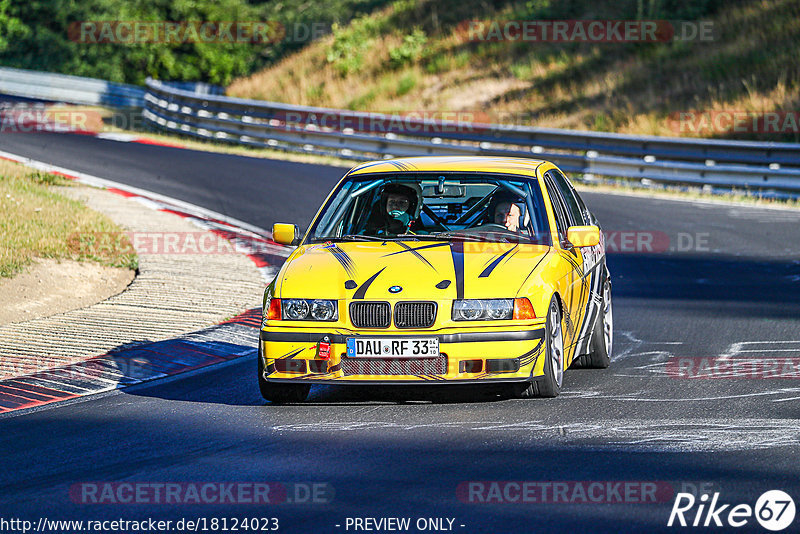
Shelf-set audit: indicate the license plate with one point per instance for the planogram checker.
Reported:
(407, 347)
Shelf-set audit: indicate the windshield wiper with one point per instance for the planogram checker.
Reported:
(353, 237)
(409, 237)
(459, 235)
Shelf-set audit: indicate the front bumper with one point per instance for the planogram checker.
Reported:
(292, 355)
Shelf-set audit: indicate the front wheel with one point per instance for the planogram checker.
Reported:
(549, 385)
(280, 393)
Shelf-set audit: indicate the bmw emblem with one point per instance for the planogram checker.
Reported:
(395, 289)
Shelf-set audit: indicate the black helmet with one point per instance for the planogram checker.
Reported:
(400, 189)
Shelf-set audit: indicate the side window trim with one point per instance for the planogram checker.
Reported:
(587, 215)
(562, 222)
(571, 204)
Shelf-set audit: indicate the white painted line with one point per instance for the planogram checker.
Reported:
(771, 350)
(147, 203)
(760, 342)
(737, 348)
(121, 137)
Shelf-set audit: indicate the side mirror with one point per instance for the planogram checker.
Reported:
(285, 234)
(583, 236)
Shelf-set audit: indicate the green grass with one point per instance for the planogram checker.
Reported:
(38, 222)
(406, 84)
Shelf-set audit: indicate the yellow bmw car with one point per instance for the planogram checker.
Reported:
(439, 270)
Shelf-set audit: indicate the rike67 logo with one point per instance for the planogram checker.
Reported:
(774, 510)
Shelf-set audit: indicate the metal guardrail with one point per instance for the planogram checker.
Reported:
(201, 112)
(737, 164)
(70, 89)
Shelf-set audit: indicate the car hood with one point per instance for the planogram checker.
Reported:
(408, 270)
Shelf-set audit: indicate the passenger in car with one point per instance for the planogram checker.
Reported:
(506, 210)
(507, 214)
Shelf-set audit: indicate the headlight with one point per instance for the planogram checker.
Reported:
(295, 309)
(323, 310)
(483, 310)
(499, 309)
(309, 310)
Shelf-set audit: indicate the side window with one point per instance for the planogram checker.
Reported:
(588, 218)
(574, 210)
(539, 216)
(562, 222)
(587, 215)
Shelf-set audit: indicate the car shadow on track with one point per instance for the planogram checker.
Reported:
(235, 384)
(438, 394)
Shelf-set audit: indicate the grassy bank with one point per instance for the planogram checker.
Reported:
(417, 56)
(38, 222)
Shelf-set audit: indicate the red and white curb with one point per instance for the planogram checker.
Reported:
(130, 138)
(121, 368)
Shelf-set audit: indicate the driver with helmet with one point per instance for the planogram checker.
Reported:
(397, 210)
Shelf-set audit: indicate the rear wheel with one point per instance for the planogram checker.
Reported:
(280, 393)
(603, 335)
(549, 385)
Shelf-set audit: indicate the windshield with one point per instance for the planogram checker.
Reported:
(430, 206)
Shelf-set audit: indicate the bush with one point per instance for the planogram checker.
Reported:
(411, 49)
(346, 53)
(406, 84)
(34, 34)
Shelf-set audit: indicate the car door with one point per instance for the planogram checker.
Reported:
(573, 295)
(587, 291)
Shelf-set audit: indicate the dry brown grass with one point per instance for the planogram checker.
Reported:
(753, 66)
(36, 221)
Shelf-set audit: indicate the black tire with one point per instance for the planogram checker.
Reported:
(549, 385)
(280, 393)
(599, 356)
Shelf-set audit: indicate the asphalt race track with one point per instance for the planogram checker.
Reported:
(718, 283)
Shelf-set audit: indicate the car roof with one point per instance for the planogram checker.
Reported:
(488, 164)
